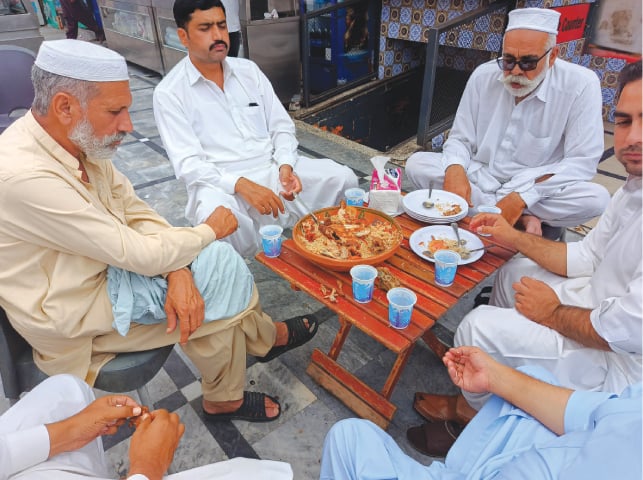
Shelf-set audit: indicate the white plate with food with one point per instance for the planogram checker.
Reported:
(446, 205)
(428, 240)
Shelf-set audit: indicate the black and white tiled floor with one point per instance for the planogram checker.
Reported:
(308, 411)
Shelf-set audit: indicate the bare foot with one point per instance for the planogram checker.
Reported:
(282, 333)
(531, 225)
(272, 409)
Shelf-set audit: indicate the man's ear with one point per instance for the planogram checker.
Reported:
(553, 56)
(64, 107)
(183, 36)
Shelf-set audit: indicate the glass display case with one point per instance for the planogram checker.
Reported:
(131, 31)
(19, 25)
(172, 51)
(339, 42)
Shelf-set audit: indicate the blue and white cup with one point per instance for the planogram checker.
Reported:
(446, 266)
(400, 306)
(488, 209)
(355, 197)
(363, 282)
(271, 240)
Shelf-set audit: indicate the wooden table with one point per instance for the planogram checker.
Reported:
(372, 318)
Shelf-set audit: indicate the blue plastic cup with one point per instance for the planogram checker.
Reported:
(271, 240)
(400, 306)
(363, 282)
(446, 266)
(355, 197)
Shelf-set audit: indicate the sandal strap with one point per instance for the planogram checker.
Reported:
(297, 330)
(254, 404)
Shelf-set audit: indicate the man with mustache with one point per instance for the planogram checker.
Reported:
(573, 308)
(527, 138)
(68, 216)
(229, 138)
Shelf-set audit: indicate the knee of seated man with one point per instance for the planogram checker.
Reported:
(471, 325)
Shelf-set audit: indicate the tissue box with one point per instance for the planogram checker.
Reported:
(385, 191)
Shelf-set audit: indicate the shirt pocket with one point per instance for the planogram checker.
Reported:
(255, 120)
(533, 151)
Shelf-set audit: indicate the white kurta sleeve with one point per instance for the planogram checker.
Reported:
(23, 449)
(184, 147)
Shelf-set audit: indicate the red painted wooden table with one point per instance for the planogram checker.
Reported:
(414, 273)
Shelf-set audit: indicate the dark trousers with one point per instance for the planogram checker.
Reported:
(235, 43)
(76, 11)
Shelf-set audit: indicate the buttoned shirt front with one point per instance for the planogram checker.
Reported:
(59, 233)
(557, 130)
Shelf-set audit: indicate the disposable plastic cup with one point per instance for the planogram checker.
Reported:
(363, 282)
(400, 306)
(355, 197)
(446, 266)
(488, 209)
(271, 240)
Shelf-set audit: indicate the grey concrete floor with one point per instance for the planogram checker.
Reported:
(308, 410)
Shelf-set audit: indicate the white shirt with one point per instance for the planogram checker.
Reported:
(557, 129)
(611, 255)
(232, 15)
(212, 136)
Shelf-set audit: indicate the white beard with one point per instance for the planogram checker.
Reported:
(528, 86)
(84, 137)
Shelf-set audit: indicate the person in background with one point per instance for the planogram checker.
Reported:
(68, 216)
(229, 138)
(531, 429)
(231, 8)
(77, 11)
(527, 138)
(573, 308)
(54, 433)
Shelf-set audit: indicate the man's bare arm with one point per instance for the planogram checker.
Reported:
(575, 323)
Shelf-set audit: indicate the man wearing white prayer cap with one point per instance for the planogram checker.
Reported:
(526, 137)
(68, 216)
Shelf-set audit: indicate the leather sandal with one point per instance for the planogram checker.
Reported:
(434, 438)
(439, 408)
(298, 334)
(253, 409)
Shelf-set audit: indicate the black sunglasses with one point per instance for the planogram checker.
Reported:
(507, 62)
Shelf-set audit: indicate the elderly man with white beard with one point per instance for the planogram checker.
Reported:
(526, 138)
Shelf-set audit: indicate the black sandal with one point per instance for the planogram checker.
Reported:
(298, 334)
(253, 409)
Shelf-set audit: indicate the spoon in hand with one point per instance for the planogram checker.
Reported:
(428, 203)
(455, 228)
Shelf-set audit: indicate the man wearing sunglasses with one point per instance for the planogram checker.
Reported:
(527, 137)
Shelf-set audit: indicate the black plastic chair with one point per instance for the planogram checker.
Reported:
(16, 94)
(127, 372)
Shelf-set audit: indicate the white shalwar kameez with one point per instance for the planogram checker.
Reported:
(24, 443)
(214, 137)
(504, 147)
(604, 275)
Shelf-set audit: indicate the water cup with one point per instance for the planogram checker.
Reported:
(271, 240)
(363, 282)
(355, 197)
(446, 264)
(488, 209)
(400, 306)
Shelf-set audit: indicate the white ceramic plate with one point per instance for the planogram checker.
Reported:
(420, 239)
(413, 203)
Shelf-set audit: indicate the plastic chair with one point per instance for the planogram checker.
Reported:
(127, 372)
(15, 77)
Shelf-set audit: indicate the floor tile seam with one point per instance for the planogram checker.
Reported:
(611, 175)
(607, 154)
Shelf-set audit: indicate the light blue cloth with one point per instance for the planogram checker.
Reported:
(219, 272)
(602, 440)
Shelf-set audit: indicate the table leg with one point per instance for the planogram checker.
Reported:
(340, 338)
(396, 371)
(434, 344)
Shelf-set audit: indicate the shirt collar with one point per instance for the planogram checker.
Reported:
(194, 75)
(48, 143)
(632, 183)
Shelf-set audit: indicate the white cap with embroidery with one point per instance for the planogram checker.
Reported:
(82, 61)
(541, 19)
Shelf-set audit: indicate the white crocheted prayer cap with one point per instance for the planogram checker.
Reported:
(541, 19)
(82, 61)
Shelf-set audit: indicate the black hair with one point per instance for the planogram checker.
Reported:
(183, 9)
(630, 73)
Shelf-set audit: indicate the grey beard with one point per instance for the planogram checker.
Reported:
(528, 86)
(84, 137)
